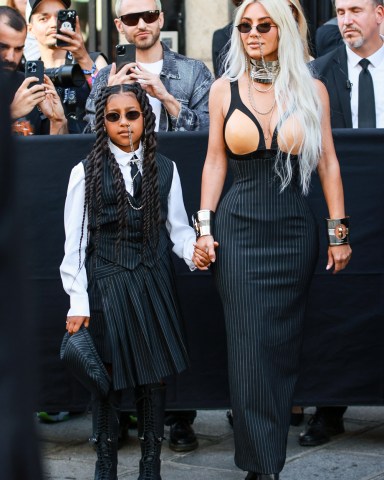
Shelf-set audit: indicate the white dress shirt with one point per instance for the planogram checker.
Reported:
(376, 69)
(74, 277)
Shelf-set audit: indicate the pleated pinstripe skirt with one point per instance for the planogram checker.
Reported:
(265, 261)
(135, 321)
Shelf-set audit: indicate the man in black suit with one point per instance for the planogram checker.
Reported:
(359, 23)
(328, 37)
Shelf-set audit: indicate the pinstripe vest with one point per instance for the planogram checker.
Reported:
(130, 252)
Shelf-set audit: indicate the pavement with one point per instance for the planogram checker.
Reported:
(358, 454)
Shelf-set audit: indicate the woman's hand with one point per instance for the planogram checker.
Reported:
(73, 324)
(204, 253)
(338, 257)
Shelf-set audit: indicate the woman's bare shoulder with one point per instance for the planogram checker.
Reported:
(220, 86)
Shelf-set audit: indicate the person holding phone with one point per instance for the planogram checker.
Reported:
(64, 47)
(177, 86)
(35, 109)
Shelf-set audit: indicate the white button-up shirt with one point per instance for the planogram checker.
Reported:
(376, 69)
(74, 277)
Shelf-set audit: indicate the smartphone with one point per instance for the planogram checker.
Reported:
(66, 19)
(125, 54)
(34, 68)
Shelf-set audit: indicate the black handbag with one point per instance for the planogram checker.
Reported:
(79, 354)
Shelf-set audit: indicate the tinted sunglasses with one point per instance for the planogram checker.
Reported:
(132, 19)
(246, 27)
(115, 117)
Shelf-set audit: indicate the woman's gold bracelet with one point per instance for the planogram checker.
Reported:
(338, 231)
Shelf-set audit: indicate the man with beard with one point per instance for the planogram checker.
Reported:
(177, 86)
(36, 109)
(42, 18)
(354, 77)
(359, 23)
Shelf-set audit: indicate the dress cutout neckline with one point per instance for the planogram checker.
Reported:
(237, 104)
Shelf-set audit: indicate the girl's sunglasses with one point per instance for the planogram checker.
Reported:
(246, 27)
(132, 19)
(115, 117)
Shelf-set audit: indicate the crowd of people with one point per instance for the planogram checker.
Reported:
(269, 110)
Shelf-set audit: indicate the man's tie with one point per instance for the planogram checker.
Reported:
(136, 178)
(367, 109)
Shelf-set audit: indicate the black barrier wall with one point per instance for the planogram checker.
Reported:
(343, 347)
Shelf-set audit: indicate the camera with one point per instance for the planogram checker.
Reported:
(66, 76)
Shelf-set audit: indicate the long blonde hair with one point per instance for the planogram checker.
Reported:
(295, 90)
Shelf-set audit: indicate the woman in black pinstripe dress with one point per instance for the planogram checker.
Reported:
(124, 207)
(271, 121)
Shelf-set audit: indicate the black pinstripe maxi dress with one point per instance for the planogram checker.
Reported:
(268, 249)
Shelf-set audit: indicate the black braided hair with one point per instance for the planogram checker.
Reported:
(150, 186)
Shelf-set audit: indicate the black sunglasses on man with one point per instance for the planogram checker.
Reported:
(132, 19)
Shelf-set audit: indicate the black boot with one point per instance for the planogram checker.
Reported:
(150, 404)
(105, 422)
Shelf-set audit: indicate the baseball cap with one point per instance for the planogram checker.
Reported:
(33, 4)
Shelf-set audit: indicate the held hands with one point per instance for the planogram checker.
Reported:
(204, 253)
(73, 324)
(338, 257)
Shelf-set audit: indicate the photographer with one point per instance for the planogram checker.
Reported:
(36, 109)
(71, 68)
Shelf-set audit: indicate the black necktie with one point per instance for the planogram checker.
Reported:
(367, 110)
(136, 177)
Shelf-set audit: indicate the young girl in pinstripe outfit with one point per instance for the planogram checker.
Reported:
(124, 204)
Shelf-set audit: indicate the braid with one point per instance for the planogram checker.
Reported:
(94, 172)
(150, 195)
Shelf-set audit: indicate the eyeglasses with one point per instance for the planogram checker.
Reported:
(132, 19)
(115, 117)
(246, 27)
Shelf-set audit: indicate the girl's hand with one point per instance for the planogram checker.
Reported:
(73, 324)
(338, 257)
(204, 253)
